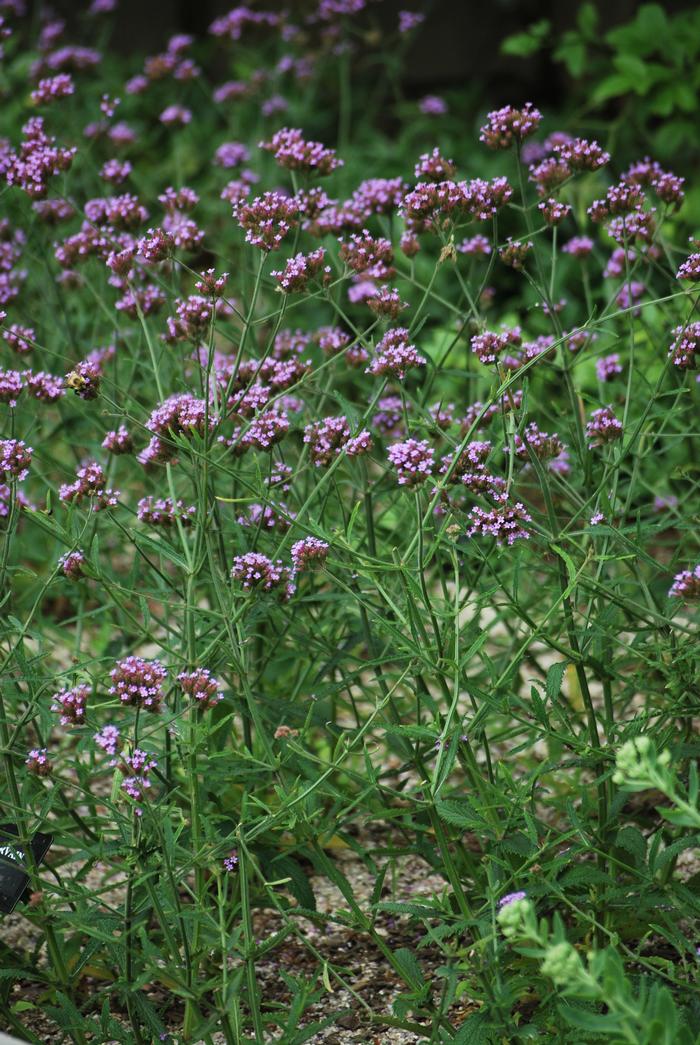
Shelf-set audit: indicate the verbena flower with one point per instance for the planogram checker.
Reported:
(72, 564)
(488, 347)
(267, 219)
(553, 211)
(162, 511)
(432, 105)
(409, 20)
(52, 88)
(90, 483)
(292, 151)
(690, 269)
(603, 427)
(201, 687)
(19, 338)
(582, 155)
(255, 572)
(119, 441)
(330, 437)
(37, 762)
(138, 682)
(71, 704)
(413, 461)
(367, 255)
(230, 862)
(300, 270)
(608, 367)
(434, 167)
(15, 459)
(508, 125)
(231, 154)
(475, 246)
(514, 252)
(85, 379)
(43, 386)
(511, 898)
(685, 348)
(309, 553)
(686, 585)
(395, 355)
(108, 739)
(387, 302)
(504, 522)
(541, 444)
(578, 246)
(11, 386)
(136, 769)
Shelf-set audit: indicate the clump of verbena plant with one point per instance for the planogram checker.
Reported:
(342, 506)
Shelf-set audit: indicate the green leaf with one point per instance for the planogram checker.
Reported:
(417, 910)
(632, 841)
(587, 19)
(573, 54)
(555, 675)
(476, 1030)
(635, 71)
(458, 813)
(299, 885)
(521, 45)
(611, 87)
(410, 969)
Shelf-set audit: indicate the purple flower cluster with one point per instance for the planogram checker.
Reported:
(298, 272)
(138, 683)
(544, 446)
(37, 762)
(38, 160)
(255, 571)
(369, 256)
(90, 484)
(603, 427)
(330, 437)
(508, 125)
(582, 155)
(292, 151)
(118, 442)
(85, 379)
(136, 769)
(15, 459)
(52, 88)
(504, 522)
(200, 686)
(71, 704)
(685, 348)
(514, 252)
(267, 219)
(690, 269)
(413, 461)
(489, 346)
(309, 553)
(162, 511)
(686, 585)
(395, 355)
(608, 367)
(108, 739)
(72, 564)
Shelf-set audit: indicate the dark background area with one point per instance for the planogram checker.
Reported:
(458, 42)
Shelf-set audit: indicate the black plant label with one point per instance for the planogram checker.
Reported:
(13, 875)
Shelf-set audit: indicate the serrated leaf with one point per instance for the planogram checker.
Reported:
(410, 968)
(632, 841)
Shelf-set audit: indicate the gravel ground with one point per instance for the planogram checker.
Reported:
(371, 985)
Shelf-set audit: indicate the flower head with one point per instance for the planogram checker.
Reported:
(413, 461)
(138, 682)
